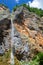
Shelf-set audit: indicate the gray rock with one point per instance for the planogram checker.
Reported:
(2, 51)
(17, 44)
(17, 13)
(6, 43)
(16, 33)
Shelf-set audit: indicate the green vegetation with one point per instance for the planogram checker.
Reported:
(37, 11)
(14, 9)
(37, 60)
(5, 58)
(3, 5)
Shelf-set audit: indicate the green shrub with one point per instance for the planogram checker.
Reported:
(37, 11)
(37, 60)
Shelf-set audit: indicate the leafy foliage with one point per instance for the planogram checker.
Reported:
(37, 60)
(39, 12)
(14, 9)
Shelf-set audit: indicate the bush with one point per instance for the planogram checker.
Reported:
(37, 11)
(37, 60)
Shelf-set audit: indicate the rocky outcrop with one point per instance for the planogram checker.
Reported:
(4, 15)
(4, 26)
(28, 32)
(30, 28)
(19, 49)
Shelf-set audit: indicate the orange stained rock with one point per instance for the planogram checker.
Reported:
(22, 29)
(26, 31)
(39, 39)
(32, 40)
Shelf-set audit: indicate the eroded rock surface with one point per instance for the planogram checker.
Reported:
(30, 28)
(28, 33)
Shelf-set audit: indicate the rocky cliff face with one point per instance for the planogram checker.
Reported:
(30, 27)
(4, 27)
(28, 35)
